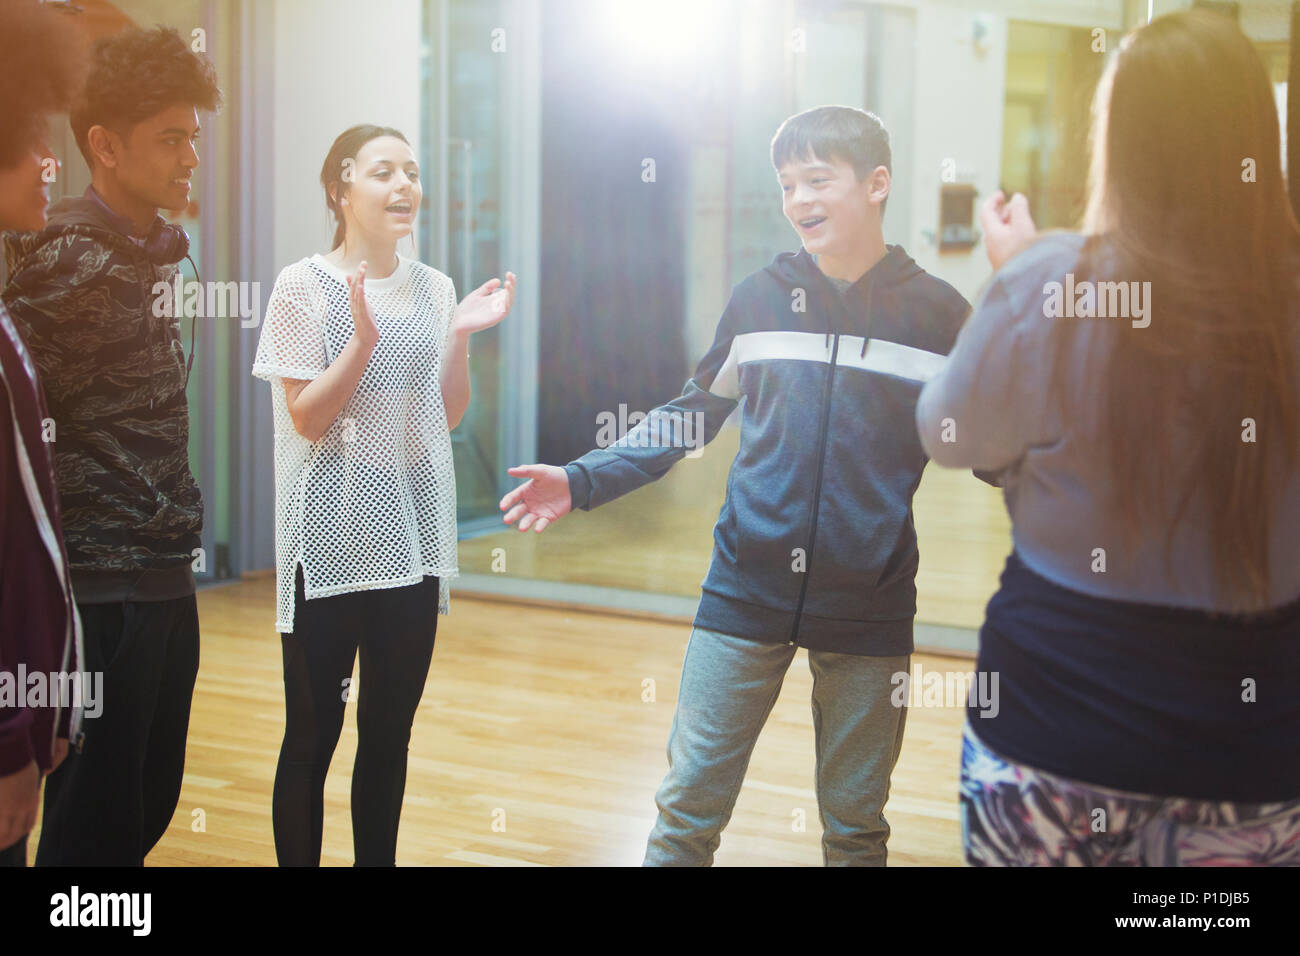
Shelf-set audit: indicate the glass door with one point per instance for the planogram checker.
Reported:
(480, 193)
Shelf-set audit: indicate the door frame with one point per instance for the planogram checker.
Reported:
(520, 106)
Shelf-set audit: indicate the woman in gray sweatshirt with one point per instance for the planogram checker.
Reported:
(1137, 387)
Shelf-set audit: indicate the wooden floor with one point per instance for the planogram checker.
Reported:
(532, 746)
(661, 538)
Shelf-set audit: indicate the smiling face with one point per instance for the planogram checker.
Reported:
(832, 211)
(154, 163)
(24, 193)
(384, 192)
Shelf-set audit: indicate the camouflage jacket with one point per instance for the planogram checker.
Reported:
(81, 295)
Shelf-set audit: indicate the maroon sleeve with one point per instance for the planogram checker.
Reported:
(16, 750)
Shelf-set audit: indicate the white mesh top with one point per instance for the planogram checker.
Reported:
(372, 504)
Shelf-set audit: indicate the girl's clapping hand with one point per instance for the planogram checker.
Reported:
(485, 306)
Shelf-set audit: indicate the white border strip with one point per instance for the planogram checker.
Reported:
(888, 358)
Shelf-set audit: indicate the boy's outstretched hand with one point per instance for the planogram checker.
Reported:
(543, 498)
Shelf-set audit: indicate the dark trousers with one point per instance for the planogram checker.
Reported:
(394, 629)
(111, 803)
(15, 855)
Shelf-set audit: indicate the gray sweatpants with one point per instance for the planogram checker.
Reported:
(728, 688)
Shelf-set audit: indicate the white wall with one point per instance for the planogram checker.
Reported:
(308, 71)
(959, 92)
(337, 64)
(1266, 20)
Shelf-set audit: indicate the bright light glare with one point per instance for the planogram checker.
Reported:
(662, 32)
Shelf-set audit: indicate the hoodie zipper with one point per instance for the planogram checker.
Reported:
(817, 487)
(822, 442)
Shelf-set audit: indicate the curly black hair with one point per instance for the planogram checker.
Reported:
(137, 74)
(41, 64)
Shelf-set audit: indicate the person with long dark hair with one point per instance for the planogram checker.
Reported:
(367, 352)
(39, 626)
(1138, 386)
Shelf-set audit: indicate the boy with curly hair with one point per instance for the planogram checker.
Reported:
(115, 376)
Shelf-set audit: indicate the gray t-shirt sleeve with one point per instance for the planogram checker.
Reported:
(968, 414)
(989, 403)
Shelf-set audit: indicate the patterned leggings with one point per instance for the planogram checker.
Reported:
(1013, 815)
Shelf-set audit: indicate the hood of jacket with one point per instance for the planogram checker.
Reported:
(896, 299)
(76, 215)
(800, 268)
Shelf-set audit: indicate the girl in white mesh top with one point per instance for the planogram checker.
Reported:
(367, 355)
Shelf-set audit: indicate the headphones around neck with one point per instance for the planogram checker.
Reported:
(166, 244)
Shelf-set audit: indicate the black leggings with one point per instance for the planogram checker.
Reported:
(394, 629)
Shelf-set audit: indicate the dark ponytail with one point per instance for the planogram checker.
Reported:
(346, 147)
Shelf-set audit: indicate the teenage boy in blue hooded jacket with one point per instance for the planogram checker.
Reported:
(815, 545)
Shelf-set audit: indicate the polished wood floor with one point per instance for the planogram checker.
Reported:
(533, 746)
(660, 538)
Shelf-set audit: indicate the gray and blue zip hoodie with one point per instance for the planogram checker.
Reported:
(815, 544)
